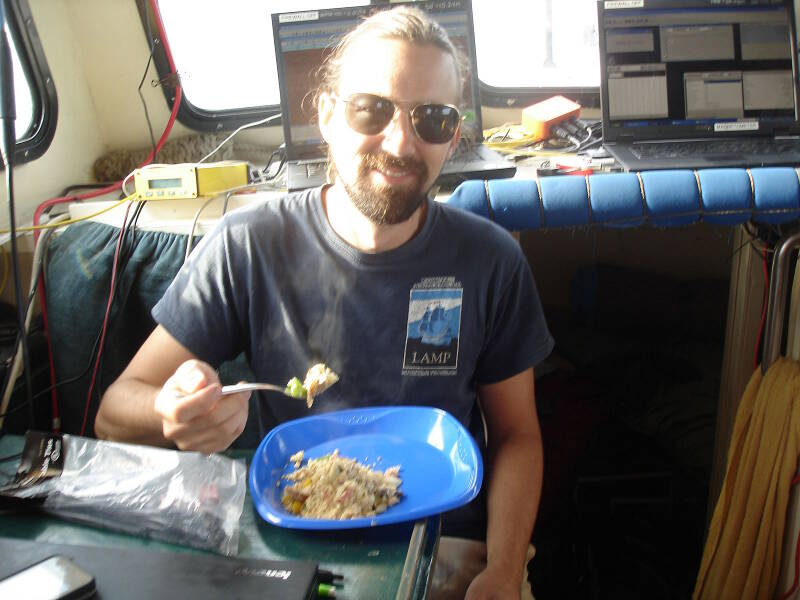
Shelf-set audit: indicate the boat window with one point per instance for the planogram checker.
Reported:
(526, 50)
(34, 91)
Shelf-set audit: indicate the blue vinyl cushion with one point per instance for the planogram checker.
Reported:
(660, 198)
(616, 199)
(565, 201)
(672, 197)
(511, 206)
(776, 194)
(727, 195)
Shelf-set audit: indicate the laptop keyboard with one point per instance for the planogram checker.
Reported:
(465, 154)
(715, 147)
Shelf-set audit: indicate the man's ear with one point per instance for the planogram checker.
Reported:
(454, 143)
(325, 107)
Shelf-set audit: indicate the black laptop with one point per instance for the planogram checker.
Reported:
(128, 573)
(699, 83)
(302, 39)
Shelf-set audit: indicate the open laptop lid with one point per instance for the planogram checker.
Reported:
(687, 69)
(303, 39)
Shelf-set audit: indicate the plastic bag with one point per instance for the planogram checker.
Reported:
(180, 497)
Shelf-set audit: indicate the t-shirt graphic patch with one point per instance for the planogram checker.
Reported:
(434, 322)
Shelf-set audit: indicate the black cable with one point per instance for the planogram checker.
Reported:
(10, 457)
(279, 169)
(266, 167)
(74, 378)
(16, 409)
(31, 296)
(94, 350)
(9, 142)
(591, 144)
(95, 347)
(127, 248)
(144, 75)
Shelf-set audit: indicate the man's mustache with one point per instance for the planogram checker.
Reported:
(384, 161)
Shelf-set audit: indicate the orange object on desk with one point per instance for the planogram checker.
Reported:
(537, 119)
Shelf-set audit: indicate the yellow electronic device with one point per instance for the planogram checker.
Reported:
(188, 180)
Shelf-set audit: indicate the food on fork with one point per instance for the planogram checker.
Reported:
(318, 379)
(295, 388)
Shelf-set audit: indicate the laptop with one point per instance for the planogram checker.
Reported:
(122, 573)
(303, 38)
(699, 83)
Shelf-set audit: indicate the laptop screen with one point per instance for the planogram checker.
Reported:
(303, 39)
(684, 69)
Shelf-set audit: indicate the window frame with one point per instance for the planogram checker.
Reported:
(203, 120)
(42, 87)
(190, 115)
(508, 97)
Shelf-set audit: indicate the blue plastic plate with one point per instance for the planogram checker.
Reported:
(440, 465)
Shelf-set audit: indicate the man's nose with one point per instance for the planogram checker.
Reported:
(398, 136)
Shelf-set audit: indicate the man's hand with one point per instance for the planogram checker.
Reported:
(194, 413)
(493, 584)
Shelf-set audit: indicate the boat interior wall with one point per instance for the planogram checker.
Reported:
(97, 54)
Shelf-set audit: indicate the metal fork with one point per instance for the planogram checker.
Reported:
(247, 387)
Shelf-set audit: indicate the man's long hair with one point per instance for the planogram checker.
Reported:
(404, 23)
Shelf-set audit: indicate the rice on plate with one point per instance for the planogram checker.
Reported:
(336, 487)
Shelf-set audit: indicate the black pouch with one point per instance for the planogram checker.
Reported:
(42, 459)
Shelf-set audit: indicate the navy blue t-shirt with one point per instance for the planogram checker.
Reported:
(423, 324)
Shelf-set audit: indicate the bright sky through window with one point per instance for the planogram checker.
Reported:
(537, 43)
(226, 57)
(23, 99)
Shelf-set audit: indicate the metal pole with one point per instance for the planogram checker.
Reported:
(776, 308)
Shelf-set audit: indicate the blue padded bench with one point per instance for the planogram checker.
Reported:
(660, 198)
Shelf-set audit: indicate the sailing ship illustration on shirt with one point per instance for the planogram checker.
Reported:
(435, 326)
(434, 323)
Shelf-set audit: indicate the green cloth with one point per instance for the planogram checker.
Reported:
(78, 279)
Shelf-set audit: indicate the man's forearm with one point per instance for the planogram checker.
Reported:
(513, 497)
(127, 414)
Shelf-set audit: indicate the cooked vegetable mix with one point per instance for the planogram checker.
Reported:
(296, 388)
(335, 487)
(318, 379)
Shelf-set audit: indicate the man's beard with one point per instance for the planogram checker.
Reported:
(383, 204)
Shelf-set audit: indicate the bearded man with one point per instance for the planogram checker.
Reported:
(347, 274)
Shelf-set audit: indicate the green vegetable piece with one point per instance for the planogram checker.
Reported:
(296, 389)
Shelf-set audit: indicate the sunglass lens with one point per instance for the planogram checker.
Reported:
(368, 114)
(435, 123)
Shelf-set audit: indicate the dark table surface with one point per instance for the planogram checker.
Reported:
(384, 562)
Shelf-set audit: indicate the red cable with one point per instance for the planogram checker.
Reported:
(92, 194)
(55, 422)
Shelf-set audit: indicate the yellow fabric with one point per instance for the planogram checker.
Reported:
(742, 555)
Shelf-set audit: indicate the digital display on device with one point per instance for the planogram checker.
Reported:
(160, 184)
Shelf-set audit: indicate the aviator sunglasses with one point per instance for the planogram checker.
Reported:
(369, 114)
